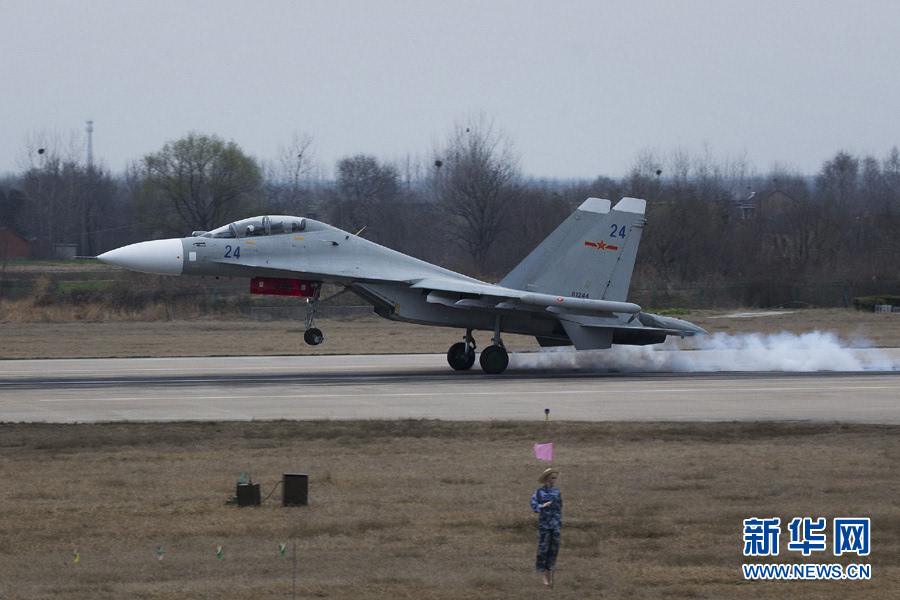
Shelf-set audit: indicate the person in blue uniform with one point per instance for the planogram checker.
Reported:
(547, 502)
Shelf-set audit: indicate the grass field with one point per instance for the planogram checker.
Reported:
(415, 509)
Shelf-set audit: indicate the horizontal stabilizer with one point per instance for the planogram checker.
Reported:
(670, 324)
(588, 338)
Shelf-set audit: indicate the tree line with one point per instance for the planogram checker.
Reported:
(468, 206)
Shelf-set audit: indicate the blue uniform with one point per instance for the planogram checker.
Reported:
(549, 525)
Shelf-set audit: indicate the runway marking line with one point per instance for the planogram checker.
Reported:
(487, 393)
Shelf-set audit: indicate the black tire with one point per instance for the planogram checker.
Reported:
(460, 357)
(494, 359)
(313, 336)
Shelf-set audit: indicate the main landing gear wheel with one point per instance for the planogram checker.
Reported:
(460, 356)
(313, 336)
(494, 359)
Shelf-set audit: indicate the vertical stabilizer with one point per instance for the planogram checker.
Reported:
(591, 255)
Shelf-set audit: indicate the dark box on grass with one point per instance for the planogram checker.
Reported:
(296, 489)
(248, 494)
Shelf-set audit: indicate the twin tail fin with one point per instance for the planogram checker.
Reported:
(590, 255)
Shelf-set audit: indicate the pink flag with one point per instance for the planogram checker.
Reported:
(544, 451)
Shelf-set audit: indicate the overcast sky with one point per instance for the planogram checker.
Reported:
(581, 88)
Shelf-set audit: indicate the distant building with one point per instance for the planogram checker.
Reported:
(747, 207)
(12, 245)
(774, 205)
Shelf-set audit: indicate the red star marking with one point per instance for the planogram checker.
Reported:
(601, 245)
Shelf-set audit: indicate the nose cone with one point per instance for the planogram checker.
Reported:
(159, 257)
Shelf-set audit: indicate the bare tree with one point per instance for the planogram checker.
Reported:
(890, 169)
(837, 181)
(476, 180)
(363, 186)
(539, 210)
(643, 181)
(289, 180)
(411, 172)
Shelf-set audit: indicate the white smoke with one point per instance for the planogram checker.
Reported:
(808, 352)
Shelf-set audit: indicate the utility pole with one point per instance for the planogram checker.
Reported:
(87, 199)
(90, 156)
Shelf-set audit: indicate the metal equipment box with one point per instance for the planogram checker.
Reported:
(248, 494)
(296, 488)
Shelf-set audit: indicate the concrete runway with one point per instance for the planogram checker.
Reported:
(424, 387)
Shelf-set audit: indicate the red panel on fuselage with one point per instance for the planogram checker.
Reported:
(273, 286)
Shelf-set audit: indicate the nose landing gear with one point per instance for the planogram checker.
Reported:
(313, 336)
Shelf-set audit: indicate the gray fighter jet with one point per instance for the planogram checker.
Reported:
(571, 289)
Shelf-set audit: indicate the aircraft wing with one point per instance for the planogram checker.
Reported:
(484, 295)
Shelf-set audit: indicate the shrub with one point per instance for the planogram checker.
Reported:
(868, 303)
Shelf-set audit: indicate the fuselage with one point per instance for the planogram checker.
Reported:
(300, 248)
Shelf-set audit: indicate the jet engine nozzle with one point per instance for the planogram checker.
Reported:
(159, 257)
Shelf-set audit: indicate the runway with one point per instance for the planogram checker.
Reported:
(423, 387)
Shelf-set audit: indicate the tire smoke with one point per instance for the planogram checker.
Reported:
(785, 352)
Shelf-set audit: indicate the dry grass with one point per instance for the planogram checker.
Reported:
(415, 509)
(359, 335)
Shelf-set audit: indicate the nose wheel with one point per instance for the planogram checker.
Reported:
(313, 336)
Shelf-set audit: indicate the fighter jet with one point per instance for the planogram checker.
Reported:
(570, 290)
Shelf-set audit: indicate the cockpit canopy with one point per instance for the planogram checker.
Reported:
(256, 226)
